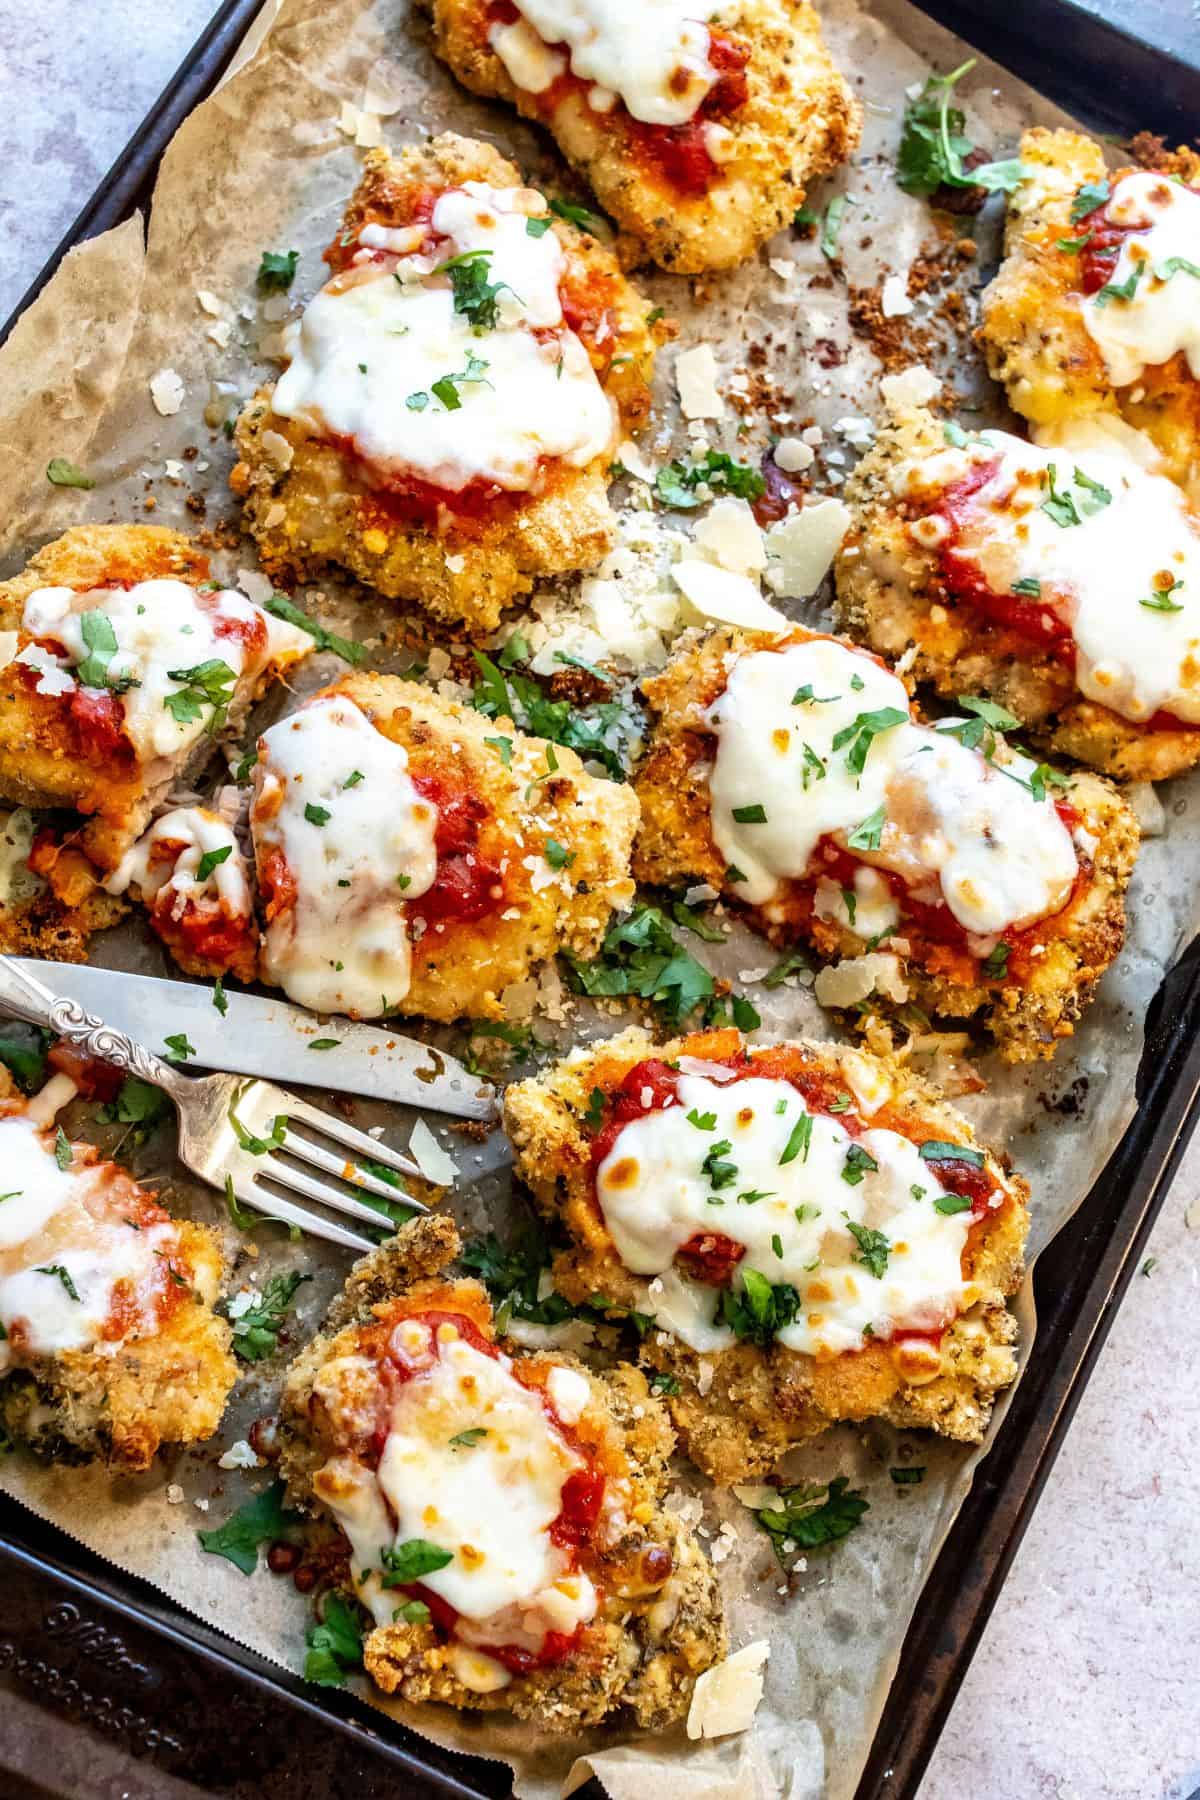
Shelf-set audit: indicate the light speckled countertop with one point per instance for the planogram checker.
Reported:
(1087, 1683)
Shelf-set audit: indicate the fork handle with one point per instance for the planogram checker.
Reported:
(23, 996)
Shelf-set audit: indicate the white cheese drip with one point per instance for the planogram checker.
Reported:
(653, 54)
(489, 1501)
(52, 1217)
(1131, 658)
(366, 353)
(655, 1196)
(955, 827)
(1162, 319)
(160, 625)
(199, 832)
(345, 945)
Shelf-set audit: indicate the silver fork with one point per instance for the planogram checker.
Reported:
(219, 1113)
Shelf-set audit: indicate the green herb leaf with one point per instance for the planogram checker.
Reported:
(593, 1118)
(948, 1204)
(277, 270)
(760, 1309)
(317, 815)
(475, 297)
(574, 214)
(908, 1477)
(938, 1150)
(1160, 599)
(64, 1275)
(212, 859)
(933, 144)
(859, 1162)
(720, 1172)
(862, 731)
(256, 1331)
(24, 1055)
(1091, 195)
(867, 835)
(791, 964)
(1073, 245)
(663, 1383)
(874, 1247)
(467, 1440)
(750, 815)
(557, 855)
(808, 1516)
(410, 1560)
(675, 483)
(260, 1521)
(283, 608)
(324, 1043)
(536, 228)
(413, 1612)
(702, 1121)
(96, 629)
(335, 1644)
(1028, 584)
(61, 473)
(799, 1141)
(1121, 290)
(218, 997)
(1177, 265)
(208, 683)
(996, 963)
(831, 225)
(178, 1047)
(64, 1155)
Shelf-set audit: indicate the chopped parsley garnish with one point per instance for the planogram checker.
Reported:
(178, 1046)
(1028, 584)
(752, 1196)
(467, 1440)
(574, 214)
(953, 1203)
(334, 1645)
(791, 964)
(1177, 265)
(933, 144)
(413, 1612)
(324, 1043)
(256, 1331)
(64, 1156)
(938, 1150)
(1091, 195)
(410, 1560)
(260, 1521)
(1121, 290)
(978, 732)
(908, 1477)
(1072, 246)
(536, 228)
(867, 835)
(475, 297)
(675, 484)
(955, 435)
(804, 696)
(137, 1103)
(212, 859)
(662, 1383)
(96, 629)
(277, 270)
(503, 747)
(831, 225)
(557, 855)
(317, 815)
(812, 768)
(593, 1118)
(283, 608)
(751, 815)
(721, 1174)
(257, 1146)
(862, 731)
(874, 1247)
(642, 958)
(599, 733)
(208, 683)
(799, 1140)
(995, 964)
(859, 1162)
(702, 1121)
(446, 387)
(61, 473)
(1095, 495)
(218, 997)
(760, 1309)
(1160, 599)
(57, 1269)
(24, 1055)
(808, 1516)
(418, 401)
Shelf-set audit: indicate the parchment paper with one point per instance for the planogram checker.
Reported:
(267, 164)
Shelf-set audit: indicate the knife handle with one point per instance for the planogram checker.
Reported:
(23, 996)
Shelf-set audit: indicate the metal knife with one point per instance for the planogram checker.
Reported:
(258, 1036)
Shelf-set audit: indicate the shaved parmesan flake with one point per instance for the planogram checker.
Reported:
(254, 584)
(696, 379)
(634, 463)
(894, 302)
(855, 979)
(430, 1158)
(719, 594)
(801, 547)
(915, 386)
(730, 534)
(209, 302)
(758, 1497)
(725, 1698)
(8, 647)
(54, 677)
(793, 454)
(1148, 809)
(166, 391)
(238, 1456)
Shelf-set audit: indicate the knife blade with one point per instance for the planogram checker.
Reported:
(267, 1037)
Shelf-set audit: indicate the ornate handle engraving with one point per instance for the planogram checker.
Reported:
(23, 996)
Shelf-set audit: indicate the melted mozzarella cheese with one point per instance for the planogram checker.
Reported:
(953, 824)
(1133, 658)
(200, 833)
(18, 882)
(160, 626)
(653, 54)
(54, 1219)
(335, 796)
(655, 1195)
(369, 349)
(489, 1500)
(1161, 319)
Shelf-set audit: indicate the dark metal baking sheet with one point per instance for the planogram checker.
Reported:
(103, 1648)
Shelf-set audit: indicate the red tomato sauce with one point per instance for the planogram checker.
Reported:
(99, 722)
(582, 1494)
(467, 885)
(1099, 257)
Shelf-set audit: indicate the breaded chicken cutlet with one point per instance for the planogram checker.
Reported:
(125, 658)
(813, 1230)
(504, 1510)
(1060, 579)
(33, 920)
(948, 869)
(1096, 308)
(699, 128)
(446, 424)
(109, 1343)
(414, 856)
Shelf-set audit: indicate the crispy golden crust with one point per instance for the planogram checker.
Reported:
(168, 1387)
(651, 1637)
(799, 121)
(39, 923)
(1028, 1016)
(891, 597)
(1033, 331)
(43, 762)
(739, 1410)
(307, 506)
(461, 969)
